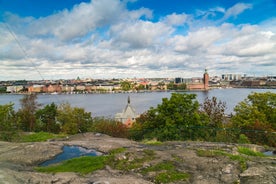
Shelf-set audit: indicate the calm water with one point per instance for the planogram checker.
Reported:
(70, 152)
(109, 104)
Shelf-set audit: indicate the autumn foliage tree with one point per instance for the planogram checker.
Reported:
(215, 110)
(109, 127)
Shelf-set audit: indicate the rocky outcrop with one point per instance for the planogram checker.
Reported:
(18, 160)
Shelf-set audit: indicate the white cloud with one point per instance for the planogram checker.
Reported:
(235, 10)
(176, 19)
(103, 39)
(139, 34)
(197, 41)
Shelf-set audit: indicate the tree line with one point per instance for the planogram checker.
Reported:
(181, 117)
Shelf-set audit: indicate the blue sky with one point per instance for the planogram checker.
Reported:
(136, 38)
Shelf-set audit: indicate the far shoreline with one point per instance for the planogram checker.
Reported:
(145, 91)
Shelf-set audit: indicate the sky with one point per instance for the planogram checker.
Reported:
(106, 39)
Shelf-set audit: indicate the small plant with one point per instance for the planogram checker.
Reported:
(152, 142)
(243, 139)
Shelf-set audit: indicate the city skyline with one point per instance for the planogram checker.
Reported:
(135, 38)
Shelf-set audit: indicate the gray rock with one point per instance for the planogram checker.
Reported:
(17, 162)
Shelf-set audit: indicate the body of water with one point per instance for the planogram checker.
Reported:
(70, 152)
(109, 104)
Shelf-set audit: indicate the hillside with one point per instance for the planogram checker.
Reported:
(169, 162)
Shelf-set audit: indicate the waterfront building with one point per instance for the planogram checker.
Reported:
(35, 88)
(231, 77)
(52, 88)
(128, 115)
(199, 83)
(14, 89)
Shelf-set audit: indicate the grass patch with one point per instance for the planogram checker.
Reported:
(167, 165)
(149, 154)
(130, 160)
(213, 153)
(177, 158)
(166, 172)
(249, 152)
(40, 137)
(117, 151)
(168, 177)
(240, 159)
(210, 153)
(82, 165)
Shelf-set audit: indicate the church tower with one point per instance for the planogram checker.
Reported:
(206, 80)
(128, 116)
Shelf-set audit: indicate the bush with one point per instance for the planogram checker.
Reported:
(243, 139)
(109, 127)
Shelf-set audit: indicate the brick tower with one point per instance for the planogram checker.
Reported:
(206, 80)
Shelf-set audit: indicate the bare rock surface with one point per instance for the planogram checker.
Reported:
(18, 160)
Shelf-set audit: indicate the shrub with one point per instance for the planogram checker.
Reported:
(109, 127)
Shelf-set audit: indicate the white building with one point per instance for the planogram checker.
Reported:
(14, 89)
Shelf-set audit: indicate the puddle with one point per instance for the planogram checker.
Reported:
(269, 153)
(70, 152)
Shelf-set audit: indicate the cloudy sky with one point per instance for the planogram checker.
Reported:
(57, 39)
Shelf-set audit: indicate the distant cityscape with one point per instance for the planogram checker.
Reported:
(88, 85)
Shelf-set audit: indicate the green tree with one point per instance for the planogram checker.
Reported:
(8, 126)
(26, 113)
(3, 89)
(181, 86)
(257, 112)
(171, 86)
(259, 107)
(173, 119)
(140, 87)
(73, 120)
(46, 118)
(126, 86)
(7, 115)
